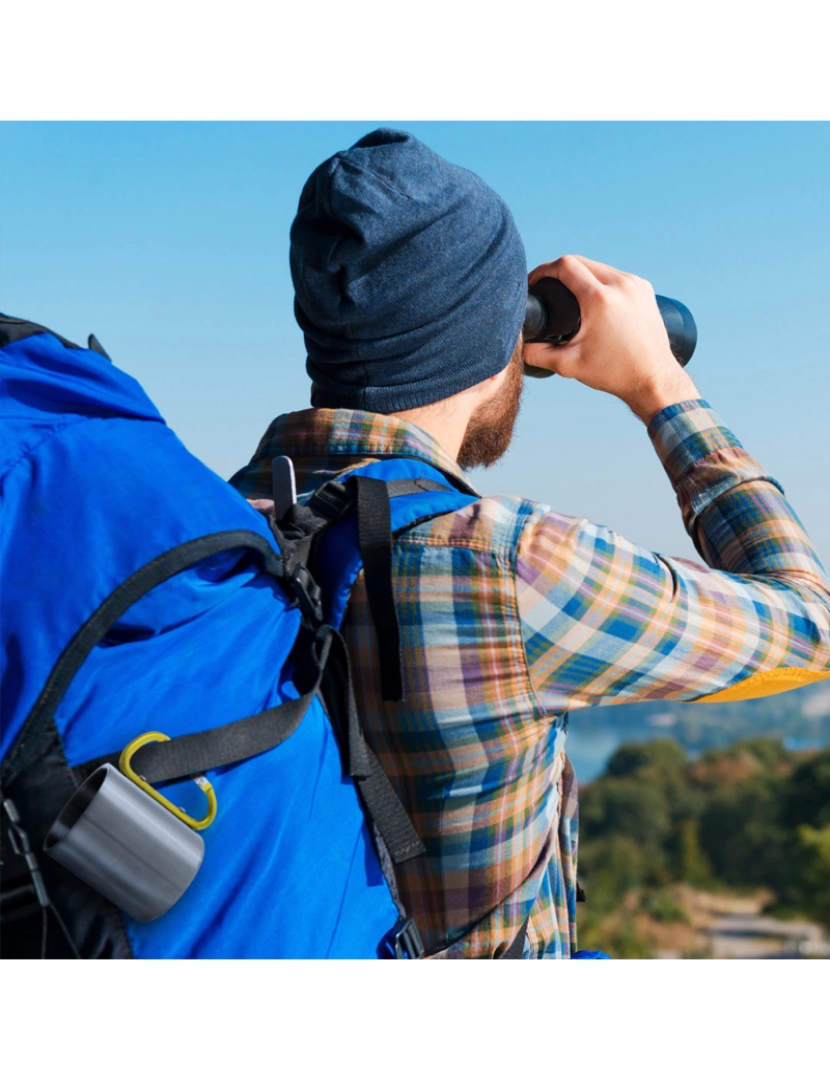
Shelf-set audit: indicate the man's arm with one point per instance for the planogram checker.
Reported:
(605, 621)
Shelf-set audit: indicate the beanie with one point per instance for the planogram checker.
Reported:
(409, 273)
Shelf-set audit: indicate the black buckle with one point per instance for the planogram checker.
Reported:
(17, 898)
(307, 593)
(332, 500)
(408, 944)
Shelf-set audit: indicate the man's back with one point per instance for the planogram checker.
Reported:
(411, 288)
(512, 615)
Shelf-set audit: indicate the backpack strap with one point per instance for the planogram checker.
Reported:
(379, 798)
(189, 755)
(382, 513)
(374, 528)
(375, 540)
(322, 667)
(102, 620)
(304, 524)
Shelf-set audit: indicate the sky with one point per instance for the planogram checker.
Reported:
(169, 241)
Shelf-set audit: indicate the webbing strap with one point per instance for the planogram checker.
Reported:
(199, 752)
(187, 755)
(374, 525)
(334, 498)
(102, 620)
(381, 802)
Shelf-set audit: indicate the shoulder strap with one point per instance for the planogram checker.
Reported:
(380, 800)
(365, 495)
(374, 525)
(322, 667)
(376, 485)
(108, 613)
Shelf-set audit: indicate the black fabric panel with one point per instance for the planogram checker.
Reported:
(299, 527)
(101, 621)
(94, 924)
(12, 330)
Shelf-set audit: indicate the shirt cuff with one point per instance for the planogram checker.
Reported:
(685, 433)
(702, 458)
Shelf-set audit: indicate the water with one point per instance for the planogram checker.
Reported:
(800, 718)
(591, 750)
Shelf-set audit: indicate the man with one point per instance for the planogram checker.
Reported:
(410, 284)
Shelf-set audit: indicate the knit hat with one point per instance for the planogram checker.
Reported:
(409, 273)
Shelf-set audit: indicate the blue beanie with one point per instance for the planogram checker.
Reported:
(409, 273)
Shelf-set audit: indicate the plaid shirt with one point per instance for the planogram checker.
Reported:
(513, 615)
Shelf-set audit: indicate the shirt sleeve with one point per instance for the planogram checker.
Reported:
(607, 622)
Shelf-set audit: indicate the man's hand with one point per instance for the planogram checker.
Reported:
(622, 346)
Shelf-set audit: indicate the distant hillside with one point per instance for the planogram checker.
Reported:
(753, 816)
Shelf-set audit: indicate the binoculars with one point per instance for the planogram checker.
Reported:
(552, 315)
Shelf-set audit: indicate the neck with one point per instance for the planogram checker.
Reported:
(446, 421)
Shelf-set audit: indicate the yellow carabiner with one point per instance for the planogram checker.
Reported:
(203, 782)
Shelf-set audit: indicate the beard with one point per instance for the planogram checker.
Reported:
(490, 430)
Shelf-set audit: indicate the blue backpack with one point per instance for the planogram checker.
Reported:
(155, 626)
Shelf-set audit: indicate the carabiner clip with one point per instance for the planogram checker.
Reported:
(202, 781)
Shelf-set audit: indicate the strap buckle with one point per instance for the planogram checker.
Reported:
(332, 500)
(407, 940)
(17, 899)
(307, 593)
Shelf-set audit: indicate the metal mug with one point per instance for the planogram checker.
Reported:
(125, 845)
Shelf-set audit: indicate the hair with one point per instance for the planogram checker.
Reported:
(490, 430)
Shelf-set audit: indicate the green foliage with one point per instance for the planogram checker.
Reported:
(630, 758)
(613, 864)
(808, 793)
(741, 833)
(663, 907)
(692, 864)
(628, 807)
(614, 933)
(808, 886)
(748, 815)
(624, 943)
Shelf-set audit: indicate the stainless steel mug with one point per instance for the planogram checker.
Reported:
(125, 845)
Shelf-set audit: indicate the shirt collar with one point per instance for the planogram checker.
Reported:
(324, 442)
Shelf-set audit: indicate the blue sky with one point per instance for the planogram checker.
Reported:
(170, 242)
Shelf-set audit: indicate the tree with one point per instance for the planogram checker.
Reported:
(808, 887)
(632, 757)
(807, 796)
(742, 835)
